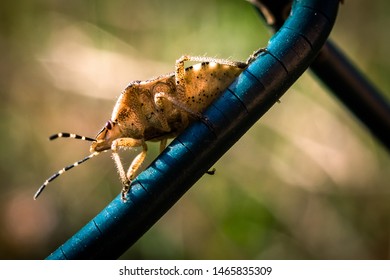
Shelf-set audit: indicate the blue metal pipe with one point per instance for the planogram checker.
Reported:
(191, 154)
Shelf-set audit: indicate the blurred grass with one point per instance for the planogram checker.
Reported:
(306, 182)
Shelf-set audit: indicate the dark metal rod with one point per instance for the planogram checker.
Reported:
(339, 74)
(354, 90)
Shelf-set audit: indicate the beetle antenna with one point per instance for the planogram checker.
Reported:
(55, 175)
(71, 135)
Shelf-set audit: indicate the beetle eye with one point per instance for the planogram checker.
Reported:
(109, 125)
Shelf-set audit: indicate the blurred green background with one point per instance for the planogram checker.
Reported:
(306, 182)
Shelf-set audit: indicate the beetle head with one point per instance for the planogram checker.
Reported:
(104, 139)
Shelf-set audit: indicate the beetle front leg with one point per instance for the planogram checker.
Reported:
(127, 177)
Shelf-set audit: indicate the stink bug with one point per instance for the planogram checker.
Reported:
(158, 109)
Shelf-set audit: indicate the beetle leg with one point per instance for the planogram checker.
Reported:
(176, 103)
(127, 177)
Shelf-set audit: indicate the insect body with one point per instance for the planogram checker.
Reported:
(158, 109)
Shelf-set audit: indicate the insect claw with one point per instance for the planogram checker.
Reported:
(256, 54)
(125, 191)
(124, 194)
(211, 171)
